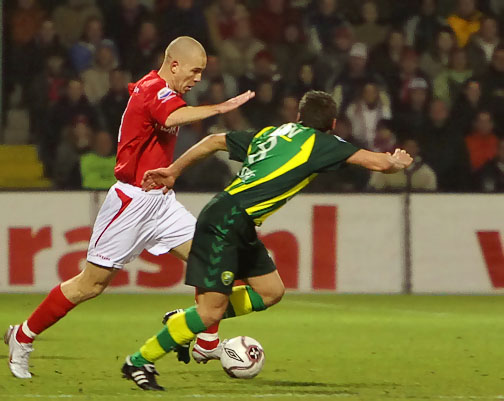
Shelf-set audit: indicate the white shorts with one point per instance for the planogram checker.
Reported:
(131, 220)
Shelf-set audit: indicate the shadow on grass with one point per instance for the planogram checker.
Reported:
(292, 383)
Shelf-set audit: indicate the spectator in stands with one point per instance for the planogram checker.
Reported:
(16, 129)
(22, 25)
(237, 53)
(212, 174)
(409, 69)
(97, 165)
(443, 149)
(46, 44)
(496, 7)
(291, 52)
(465, 21)
(258, 110)
(123, 23)
(411, 117)
(422, 29)
(223, 17)
(367, 111)
(448, 84)
(482, 143)
(385, 58)
(436, 59)
(264, 70)
(113, 104)
(417, 177)
(46, 89)
(83, 52)
(73, 106)
(305, 81)
(369, 31)
(344, 130)
(490, 177)
(385, 139)
(331, 62)
(493, 87)
(352, 10)
(96, 79)
(145, 50)
(482, 45)
(184, 18)
(467, 105)
(25, 22)
(288, 110)
(351, 80)
(76, 141)
(70, 19)
(270, 19)
(322, 22)
(232, 121)
(213, 72)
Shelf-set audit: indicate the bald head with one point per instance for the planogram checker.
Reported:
(184, 61)
(184, 47)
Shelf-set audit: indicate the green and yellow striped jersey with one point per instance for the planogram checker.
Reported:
(278, 162)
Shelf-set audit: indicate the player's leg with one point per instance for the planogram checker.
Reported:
(269, 286)
(181, 328)
(179, 223)
(62, 299)
(121, 230)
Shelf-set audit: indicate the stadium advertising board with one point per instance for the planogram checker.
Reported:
(457, 243)
(324, 243)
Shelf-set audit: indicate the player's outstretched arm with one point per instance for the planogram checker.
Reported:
(167, 176)
(383, 162)
(189, 114)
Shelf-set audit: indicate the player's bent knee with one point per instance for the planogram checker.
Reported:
(274, 297)
(211, 316)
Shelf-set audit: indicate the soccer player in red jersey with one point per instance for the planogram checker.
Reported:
(131, 220)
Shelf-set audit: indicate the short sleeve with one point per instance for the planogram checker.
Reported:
(238, 142)
(162, 103)
(330, 152)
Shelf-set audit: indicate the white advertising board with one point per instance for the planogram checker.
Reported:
(456, 243)
(347, 243)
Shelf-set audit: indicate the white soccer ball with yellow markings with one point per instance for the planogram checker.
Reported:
(242, 357)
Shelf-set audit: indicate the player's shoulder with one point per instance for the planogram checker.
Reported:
(153, 85)
(329, 139)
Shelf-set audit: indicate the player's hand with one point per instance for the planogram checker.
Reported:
(235, 102)
(403, 158)
(159, 177)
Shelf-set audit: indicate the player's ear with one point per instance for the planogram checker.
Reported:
(174, 66)
(333, 126)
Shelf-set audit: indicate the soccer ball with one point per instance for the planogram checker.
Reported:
(242, 357)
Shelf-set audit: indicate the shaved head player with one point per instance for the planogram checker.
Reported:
(131, 220)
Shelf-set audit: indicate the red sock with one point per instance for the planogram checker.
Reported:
(52, 309)
(209, 339)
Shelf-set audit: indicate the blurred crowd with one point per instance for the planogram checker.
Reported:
(425, 75)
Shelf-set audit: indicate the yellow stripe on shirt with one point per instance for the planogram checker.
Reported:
(300, 158)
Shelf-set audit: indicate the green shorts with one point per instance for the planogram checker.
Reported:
(225, 247)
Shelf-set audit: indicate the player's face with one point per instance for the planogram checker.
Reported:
(188, 73)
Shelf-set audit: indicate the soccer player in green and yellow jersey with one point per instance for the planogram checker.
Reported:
(277, 163)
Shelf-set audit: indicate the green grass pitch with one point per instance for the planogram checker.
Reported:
(327, 347)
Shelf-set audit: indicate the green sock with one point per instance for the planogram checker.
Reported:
(138, 360)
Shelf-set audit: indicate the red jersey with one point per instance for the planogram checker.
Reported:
(144, 141)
